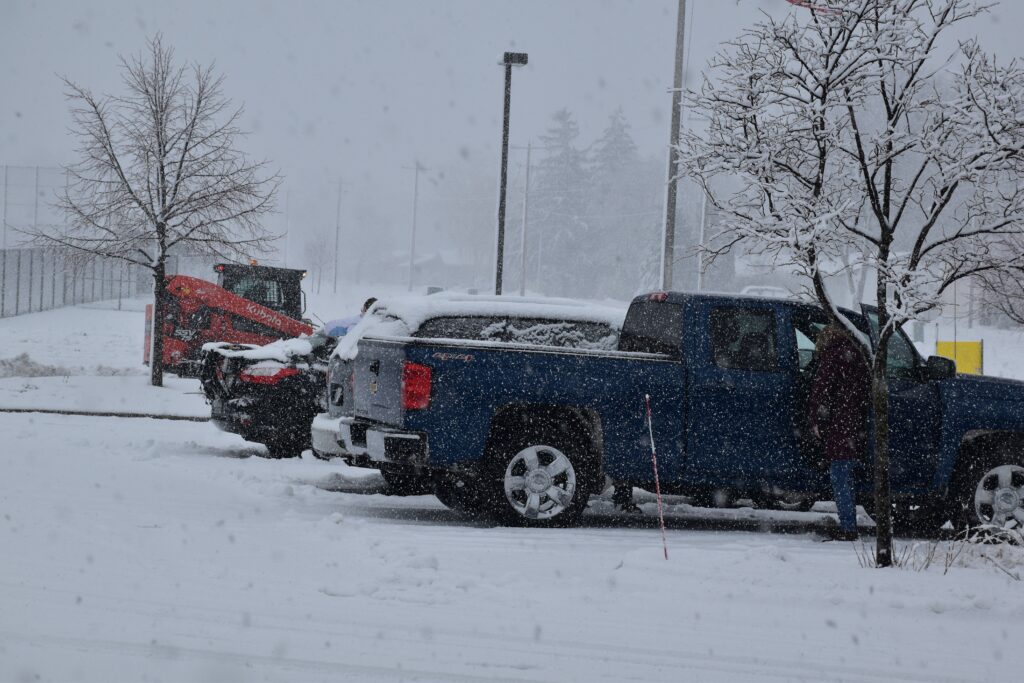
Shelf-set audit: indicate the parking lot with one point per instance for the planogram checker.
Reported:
(144, 548)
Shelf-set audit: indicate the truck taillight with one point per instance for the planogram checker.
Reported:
(415, 386)
(266, 375)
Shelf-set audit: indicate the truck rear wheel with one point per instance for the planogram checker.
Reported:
(540, 479)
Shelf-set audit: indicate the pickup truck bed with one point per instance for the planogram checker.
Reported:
(602, 387)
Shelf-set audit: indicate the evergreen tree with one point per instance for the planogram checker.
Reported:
(622, 209)
(558, 198)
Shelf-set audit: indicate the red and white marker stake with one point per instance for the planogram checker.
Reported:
(654, 464)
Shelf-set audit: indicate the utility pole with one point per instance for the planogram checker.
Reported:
(287, 226)
(526, 206)
(3, 251)
(668, 248)
(337, 237)
(415, 168)
(35, 205)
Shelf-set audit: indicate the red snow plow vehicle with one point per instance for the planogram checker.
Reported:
(248, 305)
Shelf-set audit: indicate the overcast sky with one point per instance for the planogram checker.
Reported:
(356, 89)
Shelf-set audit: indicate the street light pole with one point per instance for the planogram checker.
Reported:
(510, 59)
(668, 248)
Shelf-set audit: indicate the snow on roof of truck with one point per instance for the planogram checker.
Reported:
(402, 316)
(415, 310)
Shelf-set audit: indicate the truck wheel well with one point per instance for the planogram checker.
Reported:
(979, 451)
(582, 424)
(979, 448)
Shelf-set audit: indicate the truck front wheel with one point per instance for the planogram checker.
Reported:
(539, 480)
(995, 495)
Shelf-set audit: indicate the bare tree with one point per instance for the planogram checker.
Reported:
(159, 170)
(1002, 292)
(319, 252)
(846, 130)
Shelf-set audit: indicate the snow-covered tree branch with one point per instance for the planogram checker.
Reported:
(856, 127)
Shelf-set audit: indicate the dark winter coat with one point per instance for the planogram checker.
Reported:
(840, 396)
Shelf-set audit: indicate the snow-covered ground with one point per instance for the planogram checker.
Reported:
(151, 550)
(139, 549)
(93, 339)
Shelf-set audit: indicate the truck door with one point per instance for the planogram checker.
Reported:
(741, 433)
(915, 413)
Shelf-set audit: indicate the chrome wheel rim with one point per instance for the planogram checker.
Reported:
(999, 497)
(540, 482)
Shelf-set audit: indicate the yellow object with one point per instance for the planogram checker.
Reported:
(968, 355)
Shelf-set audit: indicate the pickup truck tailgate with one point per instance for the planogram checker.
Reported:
(377, 384)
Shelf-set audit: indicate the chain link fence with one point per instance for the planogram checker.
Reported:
(36, 279)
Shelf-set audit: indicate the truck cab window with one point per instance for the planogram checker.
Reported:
(744, 339)
(902, 357)
(807, 327)
(902, 360)
(653, 327)
(264, 292)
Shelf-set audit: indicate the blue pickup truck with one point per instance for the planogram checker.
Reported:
(526, 434)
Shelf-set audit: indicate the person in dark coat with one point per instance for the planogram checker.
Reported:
(838, 415)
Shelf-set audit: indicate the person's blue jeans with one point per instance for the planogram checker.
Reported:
(842, 489)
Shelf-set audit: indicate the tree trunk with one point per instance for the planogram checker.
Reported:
(883, 496)
(156, 356)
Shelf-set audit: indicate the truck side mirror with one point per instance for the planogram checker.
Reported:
(938, 367)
